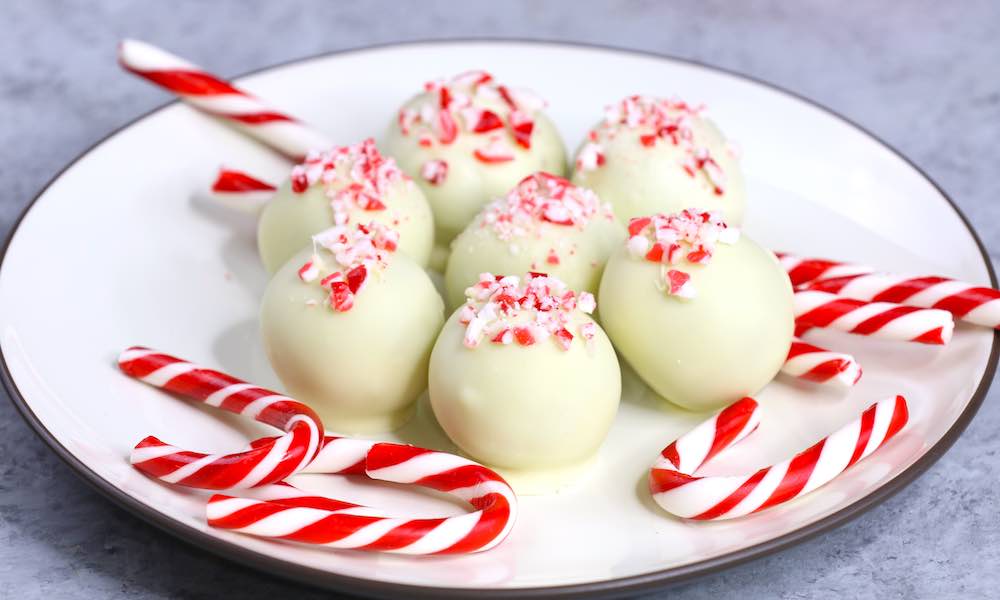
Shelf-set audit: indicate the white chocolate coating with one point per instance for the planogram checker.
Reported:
(539, 412)
(701, 353)
(641, 180)
(581, 254)
(289, 220)
(471, 183)
(362, 369)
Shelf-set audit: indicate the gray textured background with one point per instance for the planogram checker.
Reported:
(921, 75)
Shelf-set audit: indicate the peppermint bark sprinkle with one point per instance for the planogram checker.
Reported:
(354, 177)
(355, 252)
(471, 103)
(543, 198)
(657, 121)
(689, 236)
(525, 311)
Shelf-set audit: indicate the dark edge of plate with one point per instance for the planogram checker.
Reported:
(614, 587)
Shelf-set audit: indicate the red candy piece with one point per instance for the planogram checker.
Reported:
(677, 279)
(341, 298)
(524, 336)
(636, 225)
(493, 154)
(521, 127)
(447, 128)
(488, 121)
(300, 182)
(356, 278)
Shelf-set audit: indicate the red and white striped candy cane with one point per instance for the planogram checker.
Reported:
(886, 320)
(220, 98)
(267, 461)
(241, 191)
(675, 487)
(819, 365)
(972, 303)
(293, 515)
(803, 270)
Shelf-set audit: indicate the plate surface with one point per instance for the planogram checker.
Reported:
(121, 249)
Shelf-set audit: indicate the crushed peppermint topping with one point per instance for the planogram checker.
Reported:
(356, 252)
(525, 311)
(457, 105)
(590, 157)
(434, 172)
(660, 121)
(354, 177)
(542, 198)
(688, 236)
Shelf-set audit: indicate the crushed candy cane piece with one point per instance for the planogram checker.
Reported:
(524, 311)
(310, 271)
(590, 157)
(658, 120)
(496, 150)
(458, 104)
(690, 236)
(434, 172)
(542, 198)
(355, 177)
(356, 251)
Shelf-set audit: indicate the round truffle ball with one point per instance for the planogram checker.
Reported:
(532, 393)
(654, 156)
(543, 224)
(348, 184)
(703, 324)
(468, 140)
(352, 341)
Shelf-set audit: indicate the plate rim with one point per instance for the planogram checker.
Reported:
(645, 582)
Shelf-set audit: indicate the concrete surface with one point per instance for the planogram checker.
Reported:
(921, 75)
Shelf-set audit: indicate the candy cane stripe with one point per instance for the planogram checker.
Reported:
(683, 493)
(267, 461)
(812, 363)
(804, 270)
(976, 304)
(241, 191)
(739, 495)
(220, 98)
(885, 320)
(302, 517)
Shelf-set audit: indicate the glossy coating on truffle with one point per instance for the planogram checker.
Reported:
(536, 412)
(701, 353)
(574, 255)
(290, 219)
(470, 182)
(362, 369)
(640, 178)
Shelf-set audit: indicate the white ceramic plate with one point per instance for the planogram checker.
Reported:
(120, 249)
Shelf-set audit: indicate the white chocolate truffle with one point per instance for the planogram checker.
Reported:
(702, 314)
(469, 140)
(651, 156)
(349, 327)
(347, 184)
(523, 379)
(543, 224)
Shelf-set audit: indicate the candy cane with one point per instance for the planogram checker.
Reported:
(886, 320)
(675, 487)
(298, 516)
(803, 270)
(812, 363)
(219, 98)
(241, 191)
(973, 303)
(267, 461)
